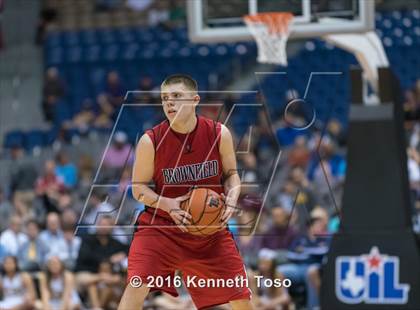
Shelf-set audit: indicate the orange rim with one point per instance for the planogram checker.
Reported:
(276, 22)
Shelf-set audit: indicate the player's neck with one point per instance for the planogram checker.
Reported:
(185, 127)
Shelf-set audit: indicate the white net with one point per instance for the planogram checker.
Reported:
(271, 32)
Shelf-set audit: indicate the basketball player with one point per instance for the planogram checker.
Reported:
(162, 245)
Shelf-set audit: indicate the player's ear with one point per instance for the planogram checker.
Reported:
(196, 100)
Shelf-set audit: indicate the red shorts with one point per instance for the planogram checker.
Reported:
(160, 251)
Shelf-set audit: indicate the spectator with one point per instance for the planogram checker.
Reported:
(93, 251)
(6, 211)
(111, 288)
(335, 132)
(69, 218)
(22, 175)
(17, 288)
(267, 297)
(114, 90)
(46, 22)
(52, 236)
(280, 235)
(248, 165)
(97, 206)
(299, 153)
(248, 240)
(287, 196)
(307, 252)
(57, 287)
(84, 119)
(65, 170)
(68, 247)
(32, 253)
(54, 90)
(119, 154)
(158, 14)
(49, 187)
(104, 117)
(177, 13)
(13, 237)
(412, 105)
(86, 171)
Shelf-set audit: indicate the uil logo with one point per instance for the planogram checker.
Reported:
(370, 278)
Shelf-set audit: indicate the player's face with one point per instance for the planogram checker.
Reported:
(178, 102)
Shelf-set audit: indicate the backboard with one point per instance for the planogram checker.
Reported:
(221, 20)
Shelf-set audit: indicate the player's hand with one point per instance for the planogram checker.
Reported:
(228, 212)
(179, 216)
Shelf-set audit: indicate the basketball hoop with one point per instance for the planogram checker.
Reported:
(271, 31)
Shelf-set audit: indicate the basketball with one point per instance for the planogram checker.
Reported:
(206, 208)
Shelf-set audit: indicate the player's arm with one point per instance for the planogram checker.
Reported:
(142, 176)
(232, 182)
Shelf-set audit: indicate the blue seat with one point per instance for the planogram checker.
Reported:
(35, 138)
(14, 138)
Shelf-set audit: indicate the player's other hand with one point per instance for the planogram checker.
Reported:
(179, 216)
(228, 212)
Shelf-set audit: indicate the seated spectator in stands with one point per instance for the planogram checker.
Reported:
(66, 170)
(69, 217)
(114, 90)
(335, 132)
(299, 153)
(22, 176)
(294, 116)
(54, 89)
(280, 235)
(46, 21)
(13, 237)
(6, 210)
(326, 171)
(68, 248)
(248, 167)
(119, 154)
(97, 206)
(249, 243)
(32, 253)
(94, 250)
(16, 288)
(84, 119)
(111, 286)
(125, 180)
(52, 236)
(49, 187)
(57, 287)
(158, 14)
(177, 13)
(411, 105)
(307, 252)
(287, 196)
(106, 111)
(86, 173)
(267, 297)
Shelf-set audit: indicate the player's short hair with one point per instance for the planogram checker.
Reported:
(185, 79)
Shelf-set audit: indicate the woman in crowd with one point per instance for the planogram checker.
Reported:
(17, 288)
(57, 287)
(270, 297)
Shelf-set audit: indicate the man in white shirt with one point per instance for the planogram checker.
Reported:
(13, 237)
(52, 237)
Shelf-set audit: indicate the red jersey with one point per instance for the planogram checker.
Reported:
(186, 160)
